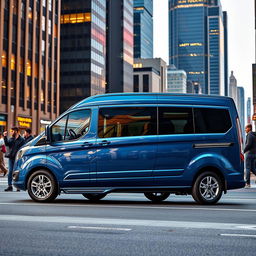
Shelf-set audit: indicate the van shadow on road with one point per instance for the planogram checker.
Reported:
(129, 203)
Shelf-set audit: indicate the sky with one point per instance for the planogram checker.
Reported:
(241, 38)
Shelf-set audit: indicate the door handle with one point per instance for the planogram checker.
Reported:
(104, 143)
(87, 144)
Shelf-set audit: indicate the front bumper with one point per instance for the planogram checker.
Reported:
(19, 184)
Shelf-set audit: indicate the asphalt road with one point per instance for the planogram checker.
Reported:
(127, 224)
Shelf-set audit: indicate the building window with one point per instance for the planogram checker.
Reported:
(30, 14)
(75, 18)
(136, 83)
(29, 68)
(49, 27)
(4, 59)
(13, 62)
(43, 47)
(42, 95)
(50, 5)
(145, 83)
(36, 70)
(14, 6)
(43, 23)
(21, 65)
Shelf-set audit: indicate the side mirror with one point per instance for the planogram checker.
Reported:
(48, 133)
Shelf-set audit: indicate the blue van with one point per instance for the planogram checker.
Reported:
(156, 144)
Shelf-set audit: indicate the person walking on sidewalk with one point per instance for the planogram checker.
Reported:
(250, 154)
(2, 151)
(28, 135)
(14, 144)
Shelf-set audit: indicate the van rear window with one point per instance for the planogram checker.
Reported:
(209, 120)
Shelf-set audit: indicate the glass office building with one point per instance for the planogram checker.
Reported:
(29, 67)
(143, 28)
(96, 48)
(196, 42)
(119, 46)
(225, 23)
(83, 50)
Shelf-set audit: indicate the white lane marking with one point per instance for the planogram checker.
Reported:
(132, 207)
(100, 228)
(123, 222)
(239, 235)
(248, 227)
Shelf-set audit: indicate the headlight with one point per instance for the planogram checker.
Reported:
(20, 153)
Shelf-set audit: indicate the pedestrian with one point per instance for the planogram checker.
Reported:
(250, 154)
(28, 135)
(2, 151)
(14, 143)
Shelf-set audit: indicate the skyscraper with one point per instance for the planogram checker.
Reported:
(83, 50)
(249, 111)
(225, 23)
(29, 67)
(196, 42)
(240, 105)
(143, 28)
(233, 87)
(96, 48)
(119, 46)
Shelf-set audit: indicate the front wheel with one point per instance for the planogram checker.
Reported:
(207, 188)
(94, 196)
(157, 196)
(42, 186)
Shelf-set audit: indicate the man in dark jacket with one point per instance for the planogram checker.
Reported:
(28, 136)
(14, 144)
(250, 153)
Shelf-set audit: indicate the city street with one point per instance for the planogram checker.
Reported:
(127, 224)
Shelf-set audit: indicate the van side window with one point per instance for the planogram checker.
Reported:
(175, 120)
(127, 121)
(78, 124)
(71, 126)
(209, 120)
(58, 129)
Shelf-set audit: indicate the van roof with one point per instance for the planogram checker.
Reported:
(147, 98)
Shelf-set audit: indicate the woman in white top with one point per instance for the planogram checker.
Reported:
(2, 165)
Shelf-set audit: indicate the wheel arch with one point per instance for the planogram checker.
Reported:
(215, 170)
(37, 169)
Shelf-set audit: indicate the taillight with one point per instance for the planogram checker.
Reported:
(240, 138)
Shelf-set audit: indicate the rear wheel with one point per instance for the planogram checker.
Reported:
(94, 196)
(207, 188)
(42, 186)
(157, 196)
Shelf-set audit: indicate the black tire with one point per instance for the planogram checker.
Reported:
(94, 196)
(208, 188)
(42, 186)
(157, 196)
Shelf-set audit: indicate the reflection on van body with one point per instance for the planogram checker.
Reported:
(156, 144)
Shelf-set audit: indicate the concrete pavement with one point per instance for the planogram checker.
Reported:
(127, 224)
